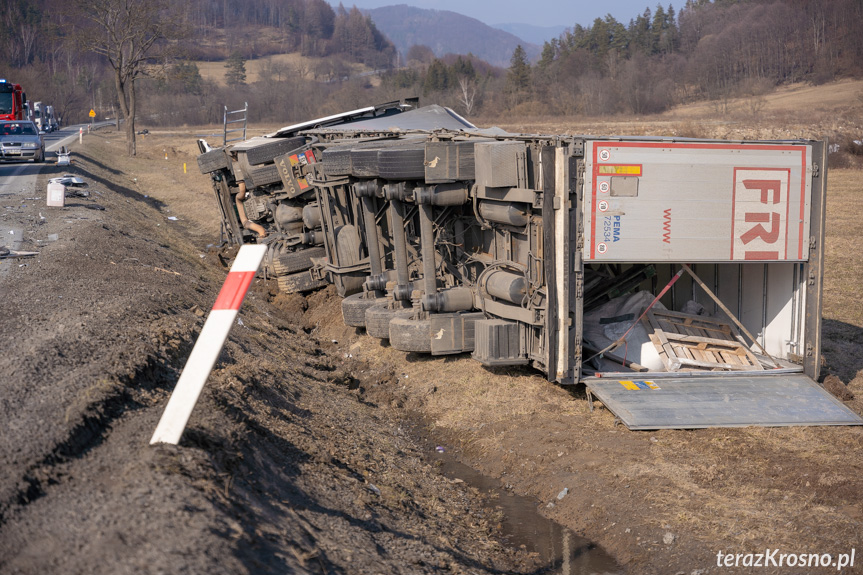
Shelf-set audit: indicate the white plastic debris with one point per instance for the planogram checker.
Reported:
(563, 493)
(68, 180)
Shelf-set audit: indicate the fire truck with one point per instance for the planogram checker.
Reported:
(12, 100)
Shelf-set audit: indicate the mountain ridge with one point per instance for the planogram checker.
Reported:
(447, 32)
(530, 33)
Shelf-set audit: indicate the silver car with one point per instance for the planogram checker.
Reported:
(20, 141)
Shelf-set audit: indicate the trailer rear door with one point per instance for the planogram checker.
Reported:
(720, 401)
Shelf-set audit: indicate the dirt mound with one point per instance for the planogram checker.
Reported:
(284, 466)
(835, 386)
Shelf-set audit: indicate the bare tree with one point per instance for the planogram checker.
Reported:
(135, 37)
(467, 94)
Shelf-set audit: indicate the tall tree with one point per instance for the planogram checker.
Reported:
(235, 66)
(518, 76)
(133, 36)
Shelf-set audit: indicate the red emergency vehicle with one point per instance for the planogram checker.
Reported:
(12, 100)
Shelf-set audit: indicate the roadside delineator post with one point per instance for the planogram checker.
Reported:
(209, 345)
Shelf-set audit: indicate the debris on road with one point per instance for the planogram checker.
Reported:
(69, 180)
(7, 253)
(63, 158)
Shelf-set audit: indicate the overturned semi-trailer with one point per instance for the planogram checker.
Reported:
(679, 279)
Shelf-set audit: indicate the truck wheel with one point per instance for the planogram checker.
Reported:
(354, 309)
(298, 261)
(300, 282)
(408, 334)
(402, 164)
(364, 163)
(262, 175)
(269, 151)
(213, 160)
(337, 162)
(378, 319)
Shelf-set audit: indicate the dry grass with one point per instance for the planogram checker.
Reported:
(844, 258)
(792, 99)
(165, 170)
(833, 112)
(292, 66)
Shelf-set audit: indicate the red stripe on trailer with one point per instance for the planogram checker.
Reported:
(234, 290)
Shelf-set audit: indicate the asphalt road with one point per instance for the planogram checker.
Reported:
(18, 189)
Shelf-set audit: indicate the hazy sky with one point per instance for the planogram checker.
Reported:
(538, 12)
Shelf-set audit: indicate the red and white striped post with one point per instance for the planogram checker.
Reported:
(209, 345)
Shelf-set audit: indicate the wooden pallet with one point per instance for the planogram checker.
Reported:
(687, 342)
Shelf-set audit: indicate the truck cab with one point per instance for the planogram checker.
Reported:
(12, 101)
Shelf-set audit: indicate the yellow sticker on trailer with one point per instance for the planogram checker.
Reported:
(639, 385)
(619, 170)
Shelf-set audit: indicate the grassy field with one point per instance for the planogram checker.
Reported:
(281, 66)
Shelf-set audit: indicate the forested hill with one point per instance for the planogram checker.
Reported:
(447, 32)
(709, 50)
(342, 59)
(34, 30)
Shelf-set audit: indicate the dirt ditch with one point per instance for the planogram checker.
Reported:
(302, 456)
(284, 467)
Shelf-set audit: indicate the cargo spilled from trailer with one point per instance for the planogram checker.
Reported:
(564, 253)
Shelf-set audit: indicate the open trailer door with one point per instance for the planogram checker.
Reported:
(749, 217)
(733, 401)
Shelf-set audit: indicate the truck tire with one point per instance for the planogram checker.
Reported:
(295, 283)
(402, 164)
(378, 319)
(337, 162)
(364, 163)
(269, 151)
(213, 160)
(298, 261)
(408, 334)
(256, 176)
(354, 309)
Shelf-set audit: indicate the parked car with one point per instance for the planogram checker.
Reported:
(20, 140)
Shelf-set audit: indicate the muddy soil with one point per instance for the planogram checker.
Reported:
(301, 455)
(286, 466)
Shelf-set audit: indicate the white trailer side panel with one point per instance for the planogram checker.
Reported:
(655, 201)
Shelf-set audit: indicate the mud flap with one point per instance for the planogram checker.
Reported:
(453, 332)
(767, 400)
